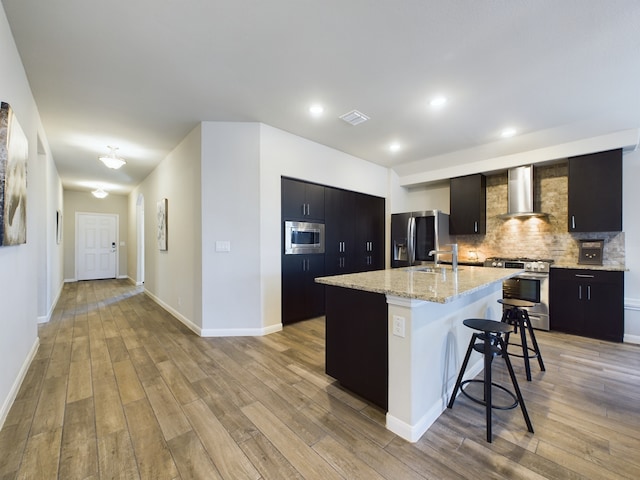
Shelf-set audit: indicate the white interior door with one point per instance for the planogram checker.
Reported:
(96, 246)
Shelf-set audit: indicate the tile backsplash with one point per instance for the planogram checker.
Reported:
(535, 237)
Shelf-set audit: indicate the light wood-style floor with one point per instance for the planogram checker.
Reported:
(121, 389)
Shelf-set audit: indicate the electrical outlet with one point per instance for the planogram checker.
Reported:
(398, 326)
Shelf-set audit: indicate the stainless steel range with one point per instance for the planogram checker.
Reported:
(532, 285)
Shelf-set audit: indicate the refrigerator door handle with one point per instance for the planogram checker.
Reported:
(411, 240)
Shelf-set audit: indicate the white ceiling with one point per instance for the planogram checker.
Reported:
(140, 74)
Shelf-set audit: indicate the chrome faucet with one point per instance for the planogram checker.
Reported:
(453, 252)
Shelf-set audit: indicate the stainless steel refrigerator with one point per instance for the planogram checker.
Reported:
(415, 234)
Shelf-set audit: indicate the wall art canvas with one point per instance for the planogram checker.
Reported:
(162, 224)
(14, 153)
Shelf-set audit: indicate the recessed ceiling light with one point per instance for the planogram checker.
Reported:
(316, 110)
(508, 132)
(438, 101)
(394, 147)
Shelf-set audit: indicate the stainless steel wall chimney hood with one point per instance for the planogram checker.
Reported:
(520, 193)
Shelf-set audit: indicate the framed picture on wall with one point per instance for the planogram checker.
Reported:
(14, 152)
(58, 227)
(162, 224)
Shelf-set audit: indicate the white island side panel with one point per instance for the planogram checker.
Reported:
(424, 364)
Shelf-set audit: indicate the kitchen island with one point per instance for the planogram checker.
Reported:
(398, 333)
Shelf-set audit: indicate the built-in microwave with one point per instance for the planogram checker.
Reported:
(303, 238)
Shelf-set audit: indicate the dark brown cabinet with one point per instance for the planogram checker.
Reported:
(302, 200)
(357, 349)
(587, 302)
(369, 233)
(354, 232)
(595, 192)
(468, 205)
(302, 297)
(354, 242)
(340, 231)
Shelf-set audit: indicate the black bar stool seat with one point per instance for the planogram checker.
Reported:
(490, 342)
(516, 314)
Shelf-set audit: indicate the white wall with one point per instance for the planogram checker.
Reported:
(223, 182)
(231, 213)
(19, 271)
(174, 277)
(51, 272)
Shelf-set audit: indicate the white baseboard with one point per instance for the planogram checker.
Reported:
(240, 332)
(214, 332)
(47, 317)
(70, 280)
(631, 338)
(8, 402)
(412, 433)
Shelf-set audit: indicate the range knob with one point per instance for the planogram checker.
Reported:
(494, 264)
(499, 264)
(528, 266)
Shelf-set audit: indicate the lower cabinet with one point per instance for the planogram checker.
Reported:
(587, 302)
(357, 348)
(302, 298)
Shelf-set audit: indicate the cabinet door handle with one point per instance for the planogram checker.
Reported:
(475, 226)
(588, 292)
(573, 222)
(583, 275)
(579, 292)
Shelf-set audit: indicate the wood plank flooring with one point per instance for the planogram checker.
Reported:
(121, 389)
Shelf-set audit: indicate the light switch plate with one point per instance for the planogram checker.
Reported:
(223, 246)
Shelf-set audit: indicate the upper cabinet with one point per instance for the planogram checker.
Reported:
(595, 192)
(468, 205)
(302, 200)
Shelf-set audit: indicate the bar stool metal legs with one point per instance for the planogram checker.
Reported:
(490, 344)
(518, 316)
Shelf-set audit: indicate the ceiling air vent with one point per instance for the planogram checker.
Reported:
(354, 117)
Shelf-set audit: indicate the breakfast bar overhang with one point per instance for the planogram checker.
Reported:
(425, 338)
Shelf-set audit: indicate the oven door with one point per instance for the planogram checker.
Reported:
(533, 287)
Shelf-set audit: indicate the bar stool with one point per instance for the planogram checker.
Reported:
(490, 344)
(517, 315)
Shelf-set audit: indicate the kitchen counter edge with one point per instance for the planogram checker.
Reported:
(412, 284)
(582, 266)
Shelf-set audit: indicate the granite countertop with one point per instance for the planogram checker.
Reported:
(581, 266)
(442, 286)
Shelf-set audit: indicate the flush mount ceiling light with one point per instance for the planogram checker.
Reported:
(354, 117)
(316, 110)
(112, 160)
(99, 193)
(438, 101)
(394, 147)
(508, 132)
